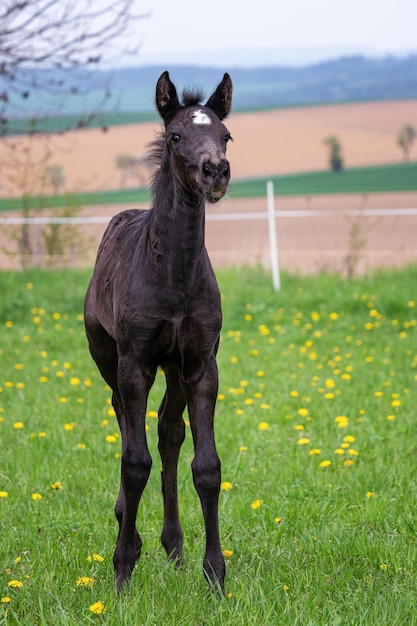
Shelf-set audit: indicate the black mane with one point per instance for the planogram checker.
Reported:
(192, 97)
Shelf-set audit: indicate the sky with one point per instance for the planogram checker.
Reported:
(217, 32)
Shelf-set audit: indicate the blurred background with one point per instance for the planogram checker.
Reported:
(325, 106)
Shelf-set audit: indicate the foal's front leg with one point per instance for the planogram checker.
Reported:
(133, 385)
(201, 399)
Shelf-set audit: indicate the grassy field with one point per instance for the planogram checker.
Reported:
(316, 429)
(382, 178)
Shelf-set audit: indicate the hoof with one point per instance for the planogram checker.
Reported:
(215, 576)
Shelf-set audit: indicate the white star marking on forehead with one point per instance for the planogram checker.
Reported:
(201, 118)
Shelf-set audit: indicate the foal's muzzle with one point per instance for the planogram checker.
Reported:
(216, 177)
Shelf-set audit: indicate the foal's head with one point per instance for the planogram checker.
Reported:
(196, 137)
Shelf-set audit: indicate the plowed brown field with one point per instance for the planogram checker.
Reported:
(272, 142)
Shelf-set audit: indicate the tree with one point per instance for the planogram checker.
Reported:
(54, 175)
(131, 167)
(44, 43)
(405, 139)
(335, 154)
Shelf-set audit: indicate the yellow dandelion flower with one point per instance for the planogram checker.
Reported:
(36, 496)
(315, 451)
(325, 463)
(264, 330)
(342, 421)
(18, 425)
(226, 486)
(111, 412)
(278, 520)
(74, 380)
(243, 449)
(334, 316)
(294, 393)
(69, 426)
(81, 446)
(349, 439)
(370, 494)
(303, 412)
(8, 324)
(353, 452)
(247, 317)
(260, 373)
(97, 558)
(339, 451)
(303, 441)
(15, 584)
(298, 427)
(111, 439)
(348, 462)
(265, 406)
(249, 401)
(5, 600)
(98, 608)
(263, 426)
(3, 494)
(256, 504)
(390, 417)
(57, 485)
(85, 581)
(227, 553)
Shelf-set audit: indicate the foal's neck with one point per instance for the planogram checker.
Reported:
(178, 228)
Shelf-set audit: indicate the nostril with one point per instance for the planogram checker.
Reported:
(209, 169)
(223, 168)
(212, 170)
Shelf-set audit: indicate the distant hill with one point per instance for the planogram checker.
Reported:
(353, 78)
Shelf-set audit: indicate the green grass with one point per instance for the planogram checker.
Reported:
(344, 550)
(382, 178)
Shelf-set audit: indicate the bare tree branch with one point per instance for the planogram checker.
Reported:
(43, 43)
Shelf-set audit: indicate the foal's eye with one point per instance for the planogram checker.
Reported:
(174, 137)
(227, 137)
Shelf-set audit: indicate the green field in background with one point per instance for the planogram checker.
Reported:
(378, 179)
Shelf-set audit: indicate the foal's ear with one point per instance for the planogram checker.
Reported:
(166, 97)
(221, 100)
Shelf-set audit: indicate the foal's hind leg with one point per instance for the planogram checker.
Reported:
(171, 430)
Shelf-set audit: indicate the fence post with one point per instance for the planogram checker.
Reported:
(273, 247)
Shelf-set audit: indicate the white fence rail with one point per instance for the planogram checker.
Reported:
(345, 240)
(218, 217)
